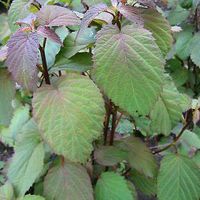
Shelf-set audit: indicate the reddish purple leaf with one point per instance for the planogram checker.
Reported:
(51, 15)
(148, 3)
(3, 53)
(131, 13)
(23, 57)
(90, 15)
(49, 33)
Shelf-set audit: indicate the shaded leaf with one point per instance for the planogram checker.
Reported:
(71, 179)
(73, 45)
(148, 3)
(160, 28)
(29, 20)
(52, 48)
(75, 114)
(81, 62)
(51, 15)
(109, 155)
(27, 163)
(23, 57)
(48, 33)
(146, 185)
(7, 94)
(133, 61)
(179, 178)
(112, 186)
(90, 15)
(139, 156)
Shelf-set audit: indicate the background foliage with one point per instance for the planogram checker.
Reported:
(100, 100)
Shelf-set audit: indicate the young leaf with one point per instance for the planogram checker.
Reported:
(51, 15)
(19, 9)
(131, 13)
(112, 186)
(160, 28)
(167, 111)
(48, 33)
(109, 155)
(75, 115)
(27, 163)
(132, 73)
(68, 181)
(23, 57)
(139, 156)
(179, 178)
(90, 15)
(7, 93)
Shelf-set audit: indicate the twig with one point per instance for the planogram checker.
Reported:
(175, 140)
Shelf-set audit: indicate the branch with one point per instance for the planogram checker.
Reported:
(44, 63)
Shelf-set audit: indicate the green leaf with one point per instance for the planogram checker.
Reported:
(160, 28)
(179, 179)
(144, 184)
(27, 163)
(195, 55)
(32, 197)
(19, 9)
(112, 186)
(183, 43)
(52, 48)
(68, 181)
(7, 94)
(109, 155)
(139, 156)
(4, 29)
(178, 15)
(73, 110)
(81, 62)
(132, 73)
(94, 2)
(167, 111)
(20, 117)
(6, 192)
(73, 46)
(190, 139)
